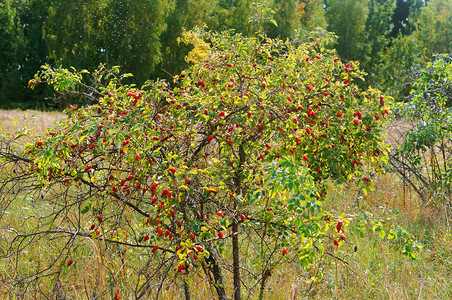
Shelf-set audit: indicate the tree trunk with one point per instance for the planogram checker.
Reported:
(186, 290)
(216, 271)
(236, 260)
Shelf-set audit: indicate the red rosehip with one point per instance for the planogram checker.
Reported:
(339, 226)
(188, 180)
(172, 212)
(199, 248)
(342, 237)
(92, 227)
(284, 252)
(336, 243)
(145, 238)
(70, 262)
(39, 144)
(192, 236)
(220, 214)
(155, 248)
(220, 234)
(180, 268)
(356, 121)
(210, 138)
(243, 217)
(173, 170)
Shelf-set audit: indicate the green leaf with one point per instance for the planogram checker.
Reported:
(86, 208)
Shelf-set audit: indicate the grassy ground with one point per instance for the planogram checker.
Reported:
(377, 270)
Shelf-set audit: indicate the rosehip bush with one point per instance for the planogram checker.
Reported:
(238, 147)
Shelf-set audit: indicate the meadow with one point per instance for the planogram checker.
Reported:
(368, 267)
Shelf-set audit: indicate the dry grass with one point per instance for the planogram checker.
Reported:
(376, 271)
(38, 121)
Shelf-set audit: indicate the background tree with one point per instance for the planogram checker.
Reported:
(115, 32)
(347, 19)
(433, 29)
(26, 51)
(286, 18)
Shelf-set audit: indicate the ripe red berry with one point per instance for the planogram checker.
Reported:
(195, 257)
(192, 236)
(199, 248)
(309, 86)
(92, 227)
(70, 262)
(339, 226)
(188, 180)
(180, 268)
(220, 214)
(222, 114)
(155, 248)
(173, 170)
(336, 243)
(172, 212)
(295, 120)
(339, 114)
(243, 217)
(99, 218)
(220, 234)
(284, 252)
(342, 237)
(145, 238)
(356, 121)
(39, 144)
(382, 101)
(305, 158)
(137, 157)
